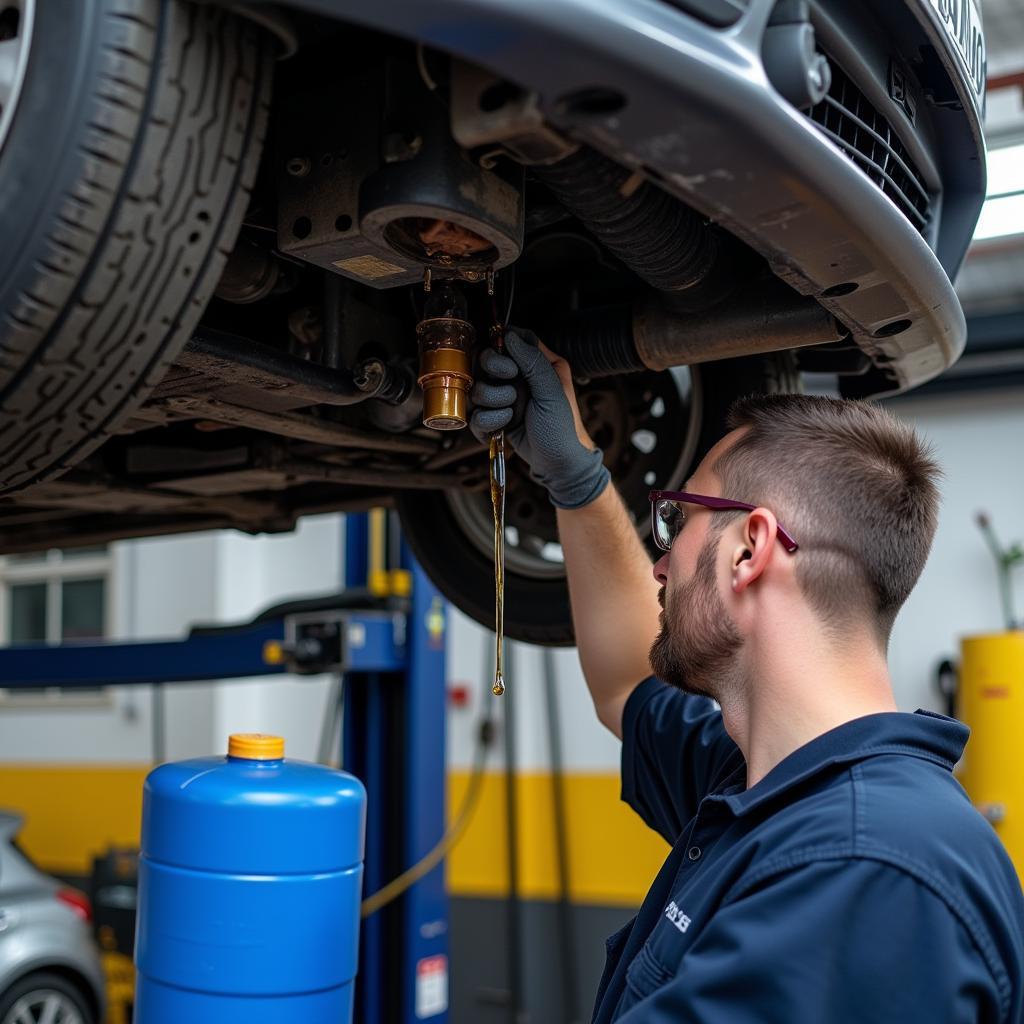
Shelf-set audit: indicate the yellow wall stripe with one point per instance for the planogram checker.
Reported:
(77, 811)
(613, 857)
(74, 812)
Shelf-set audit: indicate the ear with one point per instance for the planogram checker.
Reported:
(751, 556)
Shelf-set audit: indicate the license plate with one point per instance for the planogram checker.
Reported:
(961, 20)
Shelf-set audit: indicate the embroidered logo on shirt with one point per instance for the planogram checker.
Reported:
(677, 917)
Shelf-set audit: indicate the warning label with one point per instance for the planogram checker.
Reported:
(431, 986)
(368, 266)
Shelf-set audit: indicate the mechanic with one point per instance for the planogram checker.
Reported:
(826, 867)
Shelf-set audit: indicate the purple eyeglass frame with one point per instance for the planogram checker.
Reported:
(717, 505)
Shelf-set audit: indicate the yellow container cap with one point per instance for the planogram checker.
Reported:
(256, 746)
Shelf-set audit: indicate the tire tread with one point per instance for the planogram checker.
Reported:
(175, 119)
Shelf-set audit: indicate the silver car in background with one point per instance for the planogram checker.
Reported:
(50, 967)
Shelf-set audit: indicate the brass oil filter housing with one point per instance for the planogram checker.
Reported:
(446, 340)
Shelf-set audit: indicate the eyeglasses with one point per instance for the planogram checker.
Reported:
(667, 518)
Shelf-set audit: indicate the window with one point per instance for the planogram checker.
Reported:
(53, 597)
(1003, 212)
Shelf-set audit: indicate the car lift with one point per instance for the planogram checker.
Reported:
(389, 650)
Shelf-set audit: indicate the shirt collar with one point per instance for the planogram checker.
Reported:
(924, 734)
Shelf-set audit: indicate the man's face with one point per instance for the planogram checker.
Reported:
(698, 644)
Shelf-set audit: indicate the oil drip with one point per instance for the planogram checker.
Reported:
(496, 454)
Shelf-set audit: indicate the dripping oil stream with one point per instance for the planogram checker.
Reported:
(496, 456)
(496, 459)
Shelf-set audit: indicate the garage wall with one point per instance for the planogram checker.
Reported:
(76, 772)
(979, 438)
(165, 586)
(255, 572)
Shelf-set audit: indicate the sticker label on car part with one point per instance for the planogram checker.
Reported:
(368, 266)
(431, 986)
(962, 21)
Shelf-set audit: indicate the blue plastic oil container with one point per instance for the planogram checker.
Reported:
(250, 880)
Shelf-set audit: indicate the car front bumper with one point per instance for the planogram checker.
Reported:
(699, 116)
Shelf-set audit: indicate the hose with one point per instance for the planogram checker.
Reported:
(596, 342)
(662, 240)
(408, 878)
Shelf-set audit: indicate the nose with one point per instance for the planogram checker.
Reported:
(661, 569)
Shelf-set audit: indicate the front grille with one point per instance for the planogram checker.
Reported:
(847, 117)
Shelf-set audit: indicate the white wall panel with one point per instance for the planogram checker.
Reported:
(159, 587)
(169, 586)
(253, 573)
(979, 439)
(163, 586)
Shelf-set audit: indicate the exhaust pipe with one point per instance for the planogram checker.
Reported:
(605, 342)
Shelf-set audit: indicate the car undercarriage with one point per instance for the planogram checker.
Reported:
(685, 208)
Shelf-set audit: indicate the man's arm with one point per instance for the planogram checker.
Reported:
(612, 591)
(614, 600)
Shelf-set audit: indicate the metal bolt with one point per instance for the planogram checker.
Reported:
(298, 166)
(397, 147)
(369, 375)
(819, 77)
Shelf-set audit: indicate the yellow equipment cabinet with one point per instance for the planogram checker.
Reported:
(990, 700)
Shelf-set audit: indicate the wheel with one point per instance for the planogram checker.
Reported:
(652, 427)
(130, 133)
(722, 382)
(42, 996)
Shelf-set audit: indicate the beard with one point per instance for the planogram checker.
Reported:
(698, 643)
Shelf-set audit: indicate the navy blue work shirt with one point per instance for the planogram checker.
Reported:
(853, 883)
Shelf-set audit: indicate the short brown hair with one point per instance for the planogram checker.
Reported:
(855, 486)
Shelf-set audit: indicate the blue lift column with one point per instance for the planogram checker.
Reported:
(393, 740)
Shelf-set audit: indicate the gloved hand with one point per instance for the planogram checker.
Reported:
(546, 440)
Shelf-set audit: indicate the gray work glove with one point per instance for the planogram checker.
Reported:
(546, 440)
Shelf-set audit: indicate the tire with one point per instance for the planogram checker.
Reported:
(124, 177)
(725, 381)
(537, 609)
(34, 990)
